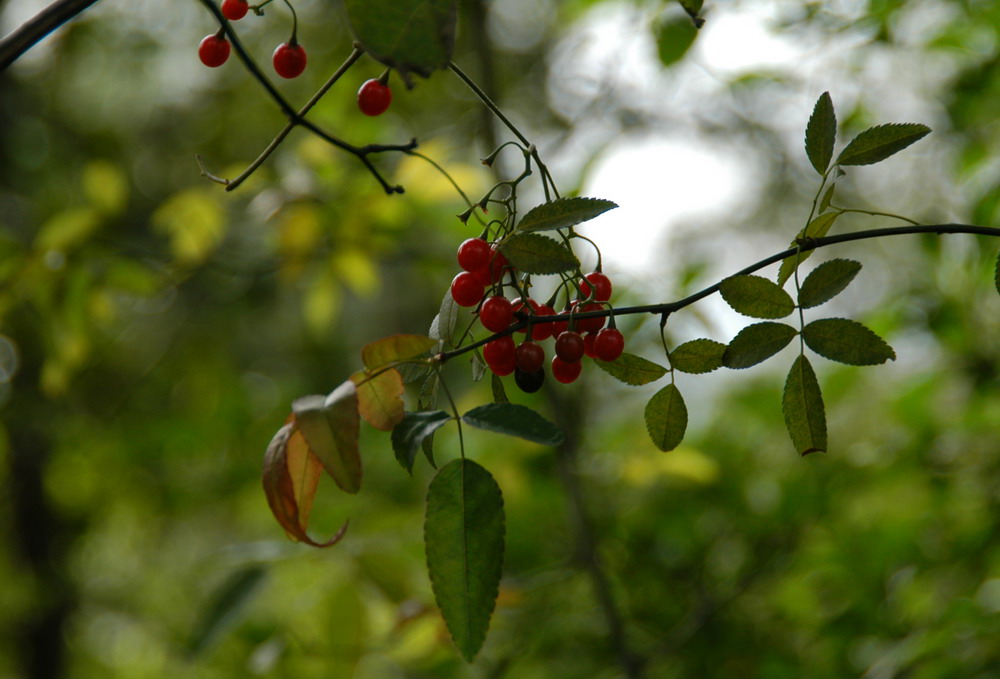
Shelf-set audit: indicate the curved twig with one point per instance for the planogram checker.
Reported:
(19, 41)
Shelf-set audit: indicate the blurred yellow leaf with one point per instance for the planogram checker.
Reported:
(356, 270)
(105, 186)
(67, 229)
(193, 221)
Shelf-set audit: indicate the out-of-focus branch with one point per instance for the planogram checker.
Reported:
(19, 41)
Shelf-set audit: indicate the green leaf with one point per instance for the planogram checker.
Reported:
(674, 37)
(632, 369)
(443, 326)
(698, 356)
(331, 427)
(802, 404)
(499, 393)
(380, 398)
(532, 253)
(562, 213)
(846, 341)
(693, 8)
(408, 35)
(666, 418)
(227, 604)
(514, 420)
(756, 343)
(756, 296)
(821, 133)
(817, 228)
(824, 203)
(409, 434)
(395, 348)
(464, 539)
(878, 143)
(827, 281)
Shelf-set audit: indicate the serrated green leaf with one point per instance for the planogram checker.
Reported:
(632, 369)
(821, 133)
(666, 418)
(331, 426)
(756, 343)
(756, 297)
(878, 143)
(674, 37)
(409, 434)
(514, 420)
(846, 341)
(532, 253)
(698, 356)
(395, 348)
(817, 228)
(408, 35)
(464, 539)
(802, 405)
(563, 213)
(827, 281)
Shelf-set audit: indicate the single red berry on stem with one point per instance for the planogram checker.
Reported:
(289, 59)
(466, 289)
(530, 356)
(374, 98)
(565, 372)
(213, 50)
(234, 10)
(601, 286)
(494, 272)
(496, 314)
(609, 344)
(499, 354)
(569, 346)
(474, 254)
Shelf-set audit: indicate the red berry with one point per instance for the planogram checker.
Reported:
(569, 346)
(474, 254)
(494, 272)
(496, 314)
(213, 50)
(529, 382)
(559, 327)
(499, 353)
(530, 356)
(289, 60)
(466, 289)
(543, 331)
(504, 369)
(234, 10)
(589, 324)
(588, 345)
(565, 372)
(601, 286)
(374, 98)
(609, 344)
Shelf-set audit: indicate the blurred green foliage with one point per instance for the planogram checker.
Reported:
(154, 330)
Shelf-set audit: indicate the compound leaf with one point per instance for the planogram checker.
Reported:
(464, 539)
(408, 35)
(698, 356)
(821, 133)
(632, 369)
(827, 281)
(409, 435)
(846, 341)
(532, 253)
(802, 404)
(563, 212)
(756, 297)
(666, 418)
(514, 420)
(756, 343)
(878, 143)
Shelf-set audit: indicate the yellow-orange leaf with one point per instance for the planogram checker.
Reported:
(395, 348)
(380, 398)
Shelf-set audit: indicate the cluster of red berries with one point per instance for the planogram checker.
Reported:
(480, 284)
(289, 58)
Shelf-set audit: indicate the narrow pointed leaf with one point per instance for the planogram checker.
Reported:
(698, 356)
(499, 393)
(331, 427)
(824, 202)
(514, 420)
(817, 228)
(827, 281)
(821, 133)
(409, 434)
(532, 253)
(380, 398)
(846, 341)
(395, 348)
(666, 418)
(227, 604)
(632, 369)
(443, 326)
(756, 343)
(756, 297)
(562, 213)
(802, 404)
(878, 143)
(407, 35)
(464, 539)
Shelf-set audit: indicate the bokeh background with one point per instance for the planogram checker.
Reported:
(154, 330)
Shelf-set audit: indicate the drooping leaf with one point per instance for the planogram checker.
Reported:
(533, 253)
(225, 607)
(408, 35)
(756, 297)
(817, 228)
(331, 427)
(562, 213)
(666, 418)
(514, 420)
(380, 398)
(698, 356)
(756, 343)
(878, 143)
(409, 434)
(443, 326)
(802, 404)
(846, 341)
(632, 369)
(827, 281)
(821, 133)
(464, 539)
(674, 37)
(395, 348)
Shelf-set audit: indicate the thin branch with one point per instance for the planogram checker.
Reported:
(30, 32)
